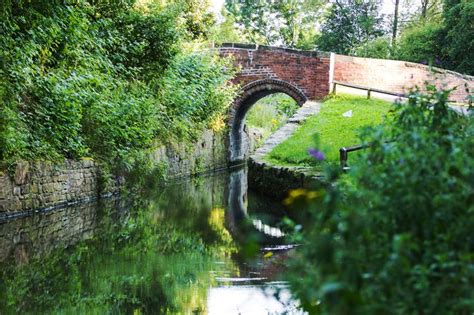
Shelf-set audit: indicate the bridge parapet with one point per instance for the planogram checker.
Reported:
(308, 71)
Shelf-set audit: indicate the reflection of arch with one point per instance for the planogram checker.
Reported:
(250, 94)
(237, 220)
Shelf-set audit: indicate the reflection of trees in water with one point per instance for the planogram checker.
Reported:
(155, 259)
(152, 253)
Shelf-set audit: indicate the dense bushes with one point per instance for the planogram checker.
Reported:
(423, 43)
(377, 48)
(394, 236)
(101, 79)
(459, 40)
(194, 92)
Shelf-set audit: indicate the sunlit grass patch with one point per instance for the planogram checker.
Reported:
(334, 130)
(270, 113)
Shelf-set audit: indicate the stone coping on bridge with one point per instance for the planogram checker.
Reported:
(309, 53)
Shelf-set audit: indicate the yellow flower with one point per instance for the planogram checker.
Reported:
(295, 194)
(268, 255)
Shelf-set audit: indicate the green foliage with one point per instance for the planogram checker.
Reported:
(195, 92)
(299, 21)
(111, 8)
(423, 44)
(394, 236)
(444, 40)
(270, 113)
(287, 22)
(102, 79)
(141, 45)
(227, 31)
(198, 20)
(335, 131)
(377, 48)
(459, 40)
(348, 25)
(254, 17)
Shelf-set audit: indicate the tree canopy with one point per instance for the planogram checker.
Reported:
(289, 23)
(348, 25)
(433, 32)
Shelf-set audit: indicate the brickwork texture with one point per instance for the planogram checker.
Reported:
(399, 76)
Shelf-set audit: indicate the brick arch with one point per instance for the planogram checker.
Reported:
(248, 96)
(264, 70)
(261, 88)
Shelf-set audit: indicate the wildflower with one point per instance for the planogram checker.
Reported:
(318, 155)
(301, 194)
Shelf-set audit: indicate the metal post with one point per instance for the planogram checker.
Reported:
(343, 158)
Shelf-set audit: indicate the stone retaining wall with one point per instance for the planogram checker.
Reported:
(277, 181)
(43, 184)
(40, 185)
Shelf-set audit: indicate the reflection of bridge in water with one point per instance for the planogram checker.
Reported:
(237, 216)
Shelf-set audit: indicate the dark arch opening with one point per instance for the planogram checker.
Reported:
(250, 94)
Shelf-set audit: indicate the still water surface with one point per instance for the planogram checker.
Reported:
(203, 246)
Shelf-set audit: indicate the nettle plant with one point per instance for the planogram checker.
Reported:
(395, 234)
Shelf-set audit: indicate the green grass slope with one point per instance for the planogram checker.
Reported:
(333, 129)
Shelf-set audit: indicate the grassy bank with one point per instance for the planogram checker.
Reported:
(332, 130)
(270, 113)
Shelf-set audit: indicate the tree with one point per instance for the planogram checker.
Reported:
(395, 23)
(198, 19)
(255, 19)
(422, 43)
(227, 31)
(287, 23)
(299, 19)
(377, 48)
(459, 40)
(350, 24)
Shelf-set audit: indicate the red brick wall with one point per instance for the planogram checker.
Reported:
(306, 70)
(398, 76)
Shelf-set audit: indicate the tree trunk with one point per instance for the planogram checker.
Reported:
(395, 24)
(424, 8)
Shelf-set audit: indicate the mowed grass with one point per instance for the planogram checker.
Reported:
(333, 130)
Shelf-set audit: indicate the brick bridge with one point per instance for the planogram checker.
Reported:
(264, 70)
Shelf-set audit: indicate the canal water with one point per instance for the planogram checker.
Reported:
(201, 246)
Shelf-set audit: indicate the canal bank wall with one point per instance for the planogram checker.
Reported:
(276, 181)
(29, 186)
